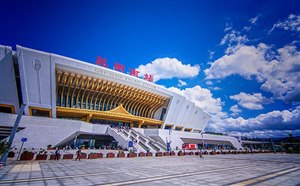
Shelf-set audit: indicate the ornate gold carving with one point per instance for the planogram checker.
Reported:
(65, 78)
(105, 95)
(102, 86)
(69, 88)
(97, 87)
(83, 82)
(116, 114)
(88, 95)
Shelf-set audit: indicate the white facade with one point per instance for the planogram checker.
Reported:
(42, 131)
(8, 86)
(37, 72)
(38, 89)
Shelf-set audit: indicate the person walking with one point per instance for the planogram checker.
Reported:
(78, 154)
(57, 153)
(201, 153)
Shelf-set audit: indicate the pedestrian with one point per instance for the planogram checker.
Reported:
(78, 154)
(201, 153)
(57, 154)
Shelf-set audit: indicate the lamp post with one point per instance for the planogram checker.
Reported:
(273, 146)
(202, 140)
(169, 141)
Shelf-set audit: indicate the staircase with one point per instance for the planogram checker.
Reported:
(123, 138)
(153, 144)
(141, 143)
(160, 142)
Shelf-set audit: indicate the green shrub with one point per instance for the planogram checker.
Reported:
(4, 146)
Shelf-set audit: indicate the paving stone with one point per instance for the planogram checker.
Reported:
(188, 170)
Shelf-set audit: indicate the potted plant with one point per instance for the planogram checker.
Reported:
(166, 154)
(149, 154)
(41, 156)
(93, 155)
(11, 154)
(99, 155)
(131, 155)
(121, 154)
(110, 155)
(159, 154)
(142, 154)
(26, 155)
(213, 152)
(180, 153)
(68, 156)
(83, 155)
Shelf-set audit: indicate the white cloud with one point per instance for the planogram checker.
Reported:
(254, 20)
(228, 27)
(209, 82)
(168, 68)
(292, 23)
(216, 88)
(275, 123)
(283, 77)
(250, 101)
(272, 123)
(211, 54)
(181, 83)
(233, 37)
(202, 98)
(245, 62)
(279, 75)
(235, 110)
(234, 41)
(247, 28)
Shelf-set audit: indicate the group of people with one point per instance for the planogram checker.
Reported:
(57, 154)
(120, 128)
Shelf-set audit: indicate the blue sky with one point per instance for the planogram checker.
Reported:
(238, 60)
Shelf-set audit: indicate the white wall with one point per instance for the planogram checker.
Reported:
(8, 87)
(176, 136)
(36, 84)
(41, 131)
(184, 113)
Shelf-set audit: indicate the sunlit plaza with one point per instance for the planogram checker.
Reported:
(242, 169)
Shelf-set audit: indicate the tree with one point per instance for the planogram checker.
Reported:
(291, 139)
(4, 146)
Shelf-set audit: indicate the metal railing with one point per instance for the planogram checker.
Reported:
(153, 146)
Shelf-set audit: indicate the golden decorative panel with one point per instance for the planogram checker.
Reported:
(76, 91)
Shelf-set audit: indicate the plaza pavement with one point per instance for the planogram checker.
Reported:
(238, 170)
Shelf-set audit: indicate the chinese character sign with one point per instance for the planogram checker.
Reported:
(101, 61)
(148, 77)
(134, 72)
(119, 67)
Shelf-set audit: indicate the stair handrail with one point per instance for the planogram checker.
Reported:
(159, 143)
(153, 146)
(120, 133)
(150, 139)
